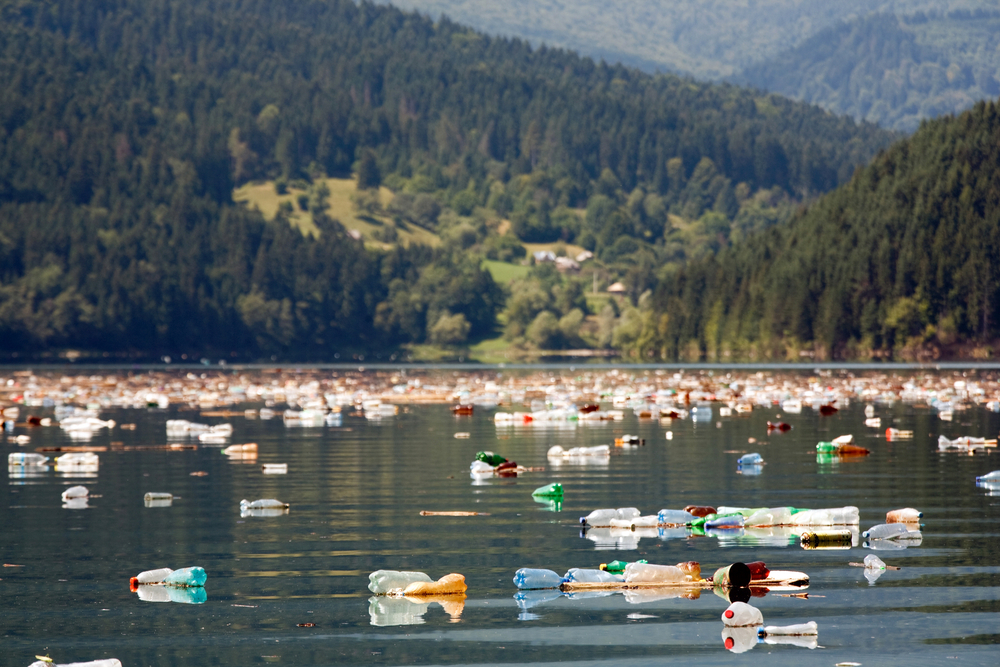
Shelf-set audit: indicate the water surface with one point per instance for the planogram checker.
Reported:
(356, 493)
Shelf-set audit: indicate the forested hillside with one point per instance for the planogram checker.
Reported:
(708, 39)
(126, 124)
(904, 261)
(889, 70)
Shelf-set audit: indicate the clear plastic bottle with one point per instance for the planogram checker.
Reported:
(530, 578)
(750, 460)
(674, 517)
(833, 516)
(647, 573)
(604, 517)
(263, 504)
(886, 531)
(990, 477)
(153, 576)
(75, 492)
(873, 562)
(727, 521)
(480, 468)
(26, 459)
(579, 575)
(774, 516)
(157, 496)
(186, 576)
(383, 582)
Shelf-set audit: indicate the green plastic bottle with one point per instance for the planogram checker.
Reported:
(554, 490)
(826, 448)
(617, 566)
(491, 458)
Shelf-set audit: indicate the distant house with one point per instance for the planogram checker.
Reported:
(584, 256)
(616, 288)
(354, 234)
(566, 264)
(544, 256)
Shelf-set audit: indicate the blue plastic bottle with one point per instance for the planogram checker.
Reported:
(188, 576)
(527, 578)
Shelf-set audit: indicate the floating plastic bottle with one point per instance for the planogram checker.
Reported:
(799, 629)
(746, 460)
(617, 566)
(905, 515)
(833, 516)
(107, 662)
(598, 451)
(727, 521)
(648, 521)
(478, 467)
(549, 490)
(490, 458)
(186, 576)
(153, 576)
(529, 578)
(158, 496)
(648, 573)
(75, 492)
(740, 614)
(773, 516)
(579, 575)
(758, 570)
(700, 511)
(603, 517)
(263, 504)
(736, 575)
(674, 517)
(990, 477)
(26, 459)
(386, 582)
(77, 459)
(274, 468)
(889, 531)
(873, 562)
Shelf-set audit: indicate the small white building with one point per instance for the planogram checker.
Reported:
(544, 256)
(616, 288)
(566, 264)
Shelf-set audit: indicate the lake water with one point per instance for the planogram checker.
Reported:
(356, 493)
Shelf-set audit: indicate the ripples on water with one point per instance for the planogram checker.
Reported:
(356, 493)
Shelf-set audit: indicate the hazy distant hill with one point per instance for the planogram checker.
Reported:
(902, 261)
(126, 124)
(705, 38)
(891, 71)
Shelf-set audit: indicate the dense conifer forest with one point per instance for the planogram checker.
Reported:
(903, 261)
(126, 125)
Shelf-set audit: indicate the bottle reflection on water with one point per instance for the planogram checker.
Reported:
(388, 611)
(180, 594)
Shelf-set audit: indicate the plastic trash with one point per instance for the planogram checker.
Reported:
(739, 639)
(603, 517)
(549, 490)
(774, 516)
(480, 468)
(758, 570)
(833, 516)
(274, 468)
(736, 575)
(674, 517)
(700, 510)
(180, 594)
(530, 578)
(869, 411)
(648, 573)
(77, 459)
(389, 582)
(889, 531)
(801, 629)
(449, 584)
(727, 521)
(152, 576)
(897, 434)
(263, 504)
(841, 449)
(825, 539)
(187, 576)
(990, 477)
(75, 492)
(491, 458)
(244, 449)
(905, 515)
(617, 566)
(741, 614)
(579, 575)
(750, 460)
(873, 562)
(158, 496)
(107, 662)
(598, 451)
(26, 459)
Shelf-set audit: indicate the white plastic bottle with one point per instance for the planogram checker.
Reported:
(603, 517)
(905, 515)
(26, 459)
(833, 516)
(741, 614)
(75, 492)
(153, 576)
(774, 516)
(263, 504)
(385, 582)
(888, 531)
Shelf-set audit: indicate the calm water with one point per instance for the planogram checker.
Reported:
(356, 493)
